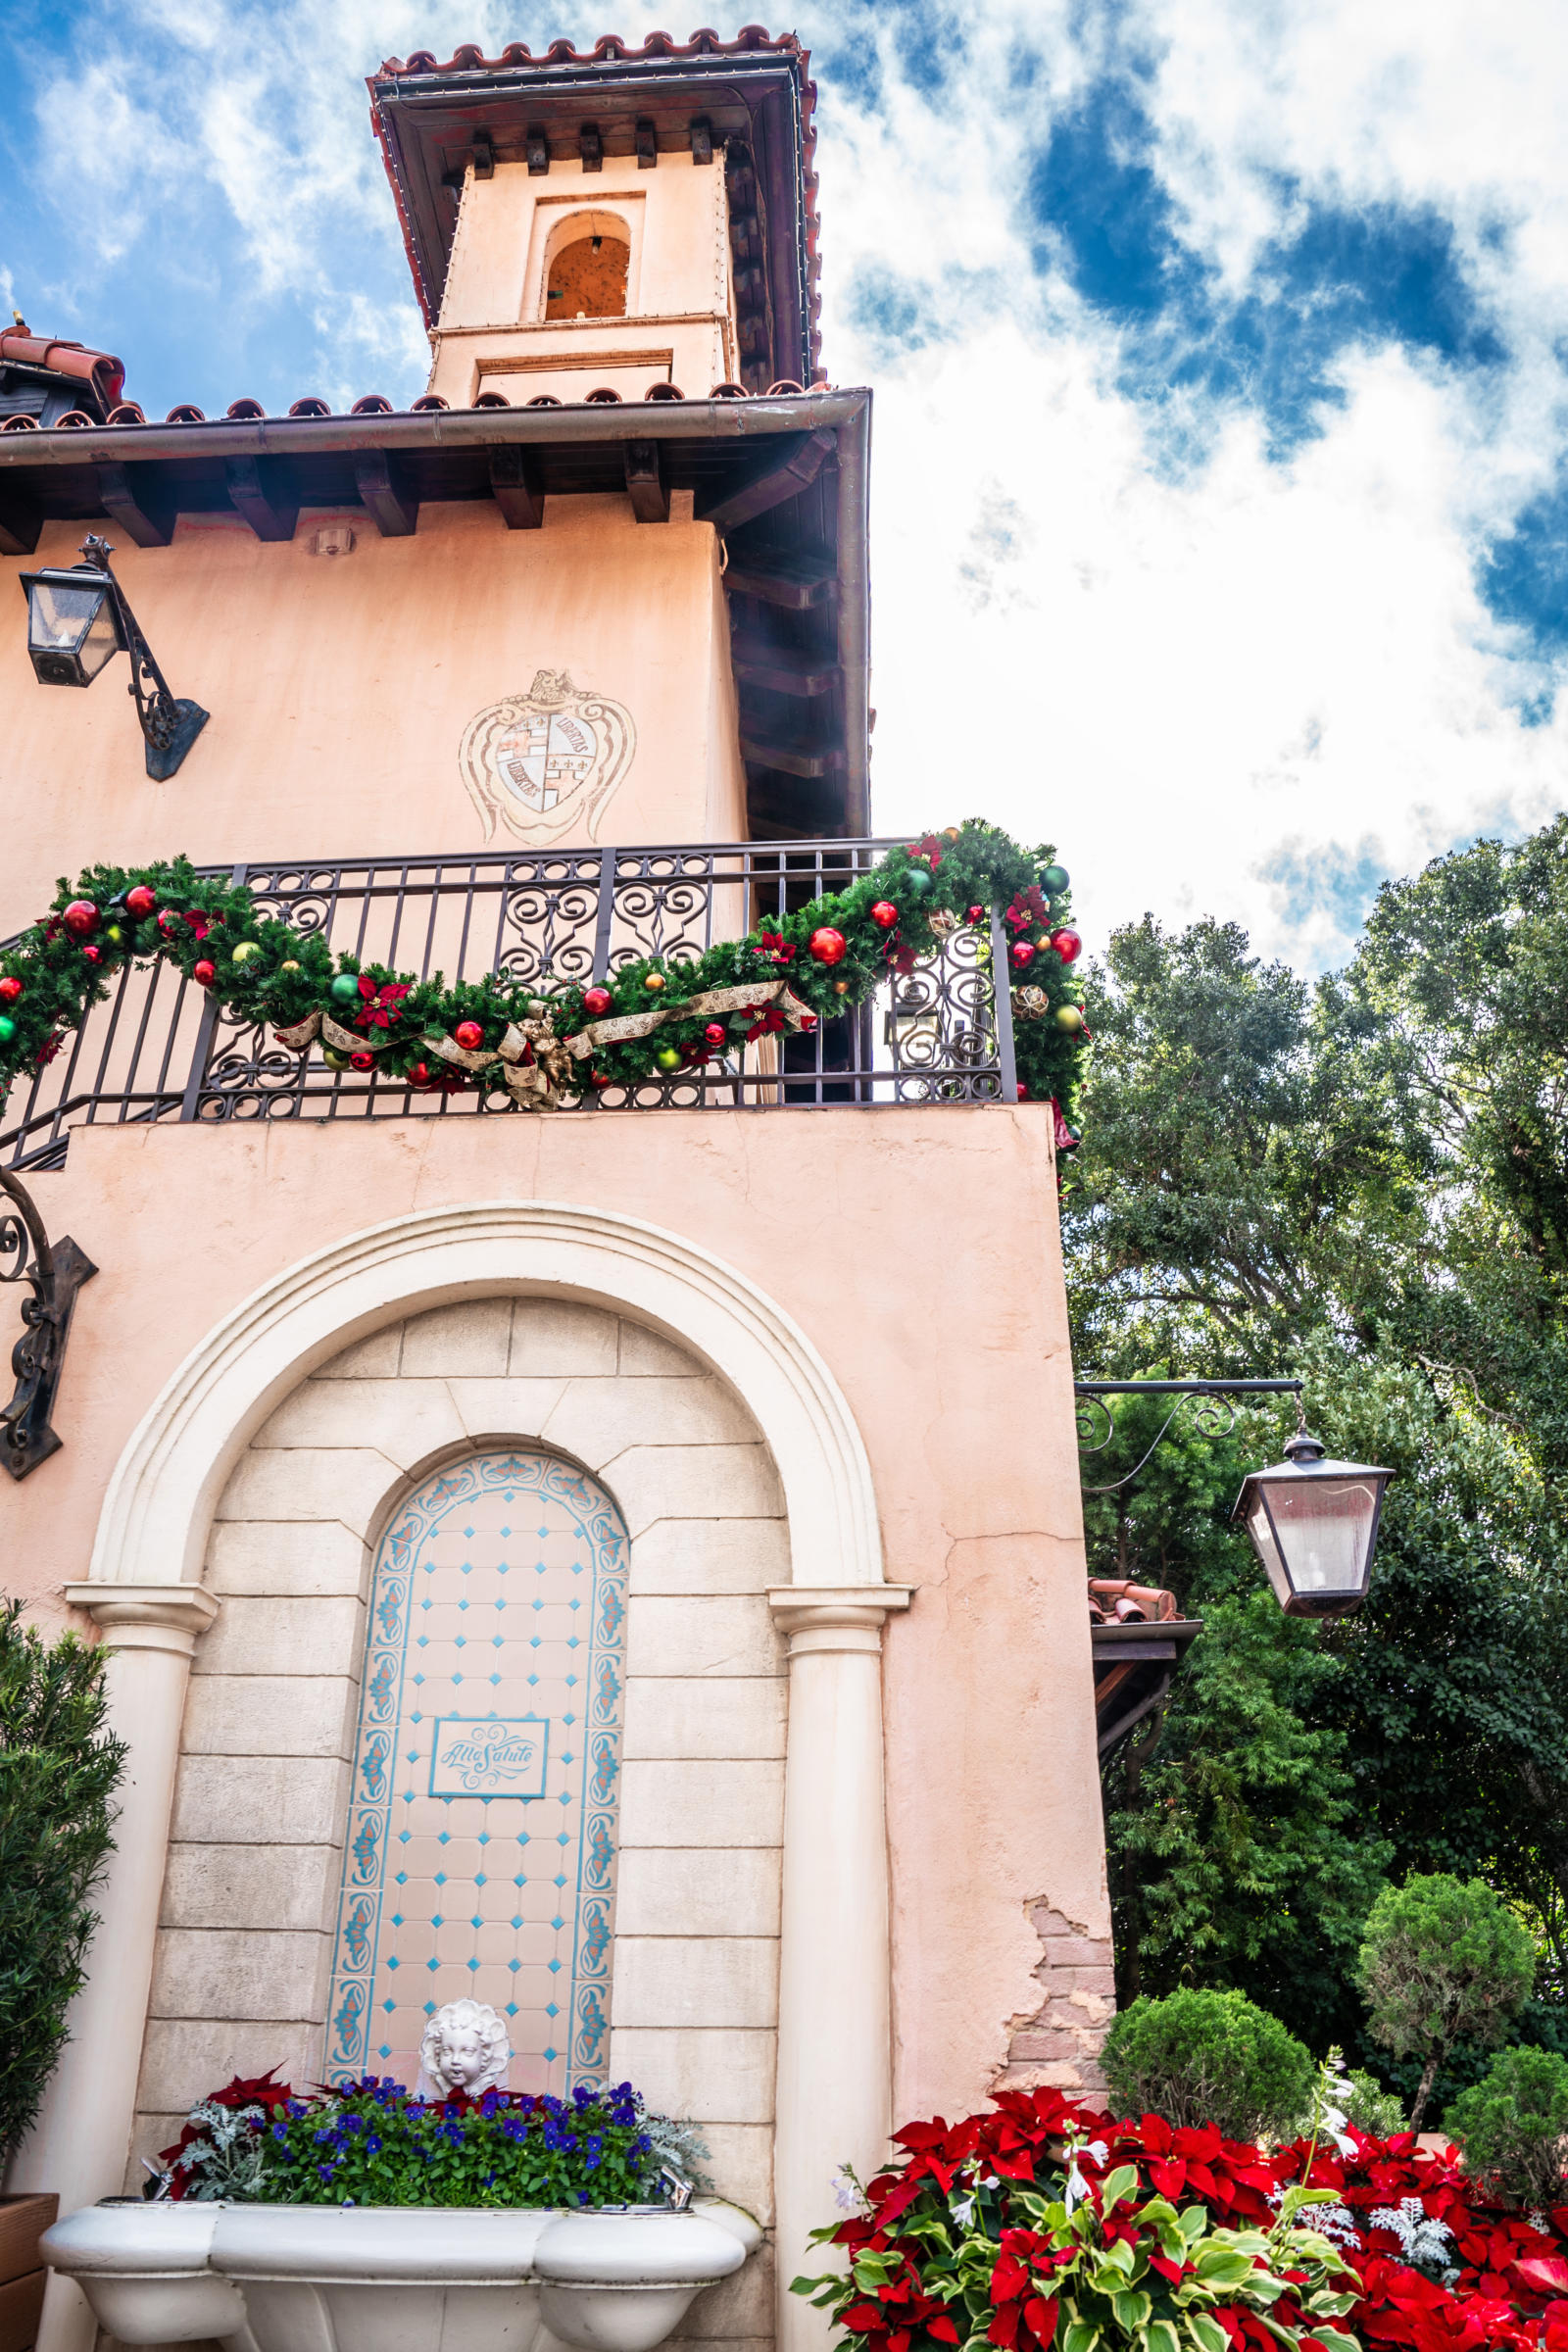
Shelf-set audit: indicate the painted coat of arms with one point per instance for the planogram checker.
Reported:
(547, 761)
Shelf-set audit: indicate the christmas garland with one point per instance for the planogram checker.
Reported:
(553, 1042)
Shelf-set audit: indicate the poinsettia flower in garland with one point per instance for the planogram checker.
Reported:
(550, 1042)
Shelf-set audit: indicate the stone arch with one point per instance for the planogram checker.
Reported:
(160, 1500)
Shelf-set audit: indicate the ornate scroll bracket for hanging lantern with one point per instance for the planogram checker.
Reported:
(1313, 1522)
(1214, 1402)
(54, 1272)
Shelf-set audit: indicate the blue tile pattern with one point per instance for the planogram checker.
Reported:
(459, 1768)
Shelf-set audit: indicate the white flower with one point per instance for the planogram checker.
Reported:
(847, 2194)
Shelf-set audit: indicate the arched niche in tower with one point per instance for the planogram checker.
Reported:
(589, 265)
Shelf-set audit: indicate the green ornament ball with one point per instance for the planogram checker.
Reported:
(333, 1059)
(8, 1028)
(115, 934)
(917, 882)
(1069, 1017)
(345, 989)
(1053, 880)
(248, 951)
(667, 1058)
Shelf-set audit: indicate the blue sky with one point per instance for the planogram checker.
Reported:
(1221, 351)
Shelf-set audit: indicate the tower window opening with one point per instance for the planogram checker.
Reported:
(588, 278)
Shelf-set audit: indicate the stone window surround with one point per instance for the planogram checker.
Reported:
(145, 1592)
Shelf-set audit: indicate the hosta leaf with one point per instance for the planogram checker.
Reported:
(1116, 2186)
(1206, 2332)
(1131, 2310)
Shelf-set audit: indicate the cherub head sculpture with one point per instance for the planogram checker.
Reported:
(465, 2048)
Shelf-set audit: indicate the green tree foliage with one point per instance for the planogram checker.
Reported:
(1443, 1961)
(1513, 2127)
(58, 1771)
(1199, 2058)
(1364, 1182)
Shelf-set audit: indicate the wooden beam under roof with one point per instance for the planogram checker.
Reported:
(20, 523)
(146, 522)
(393, 512)
(794, 583)
(517, 483)
(792, 759)
(782, 668)
(252, 495)
(782, 479)
(645, 481)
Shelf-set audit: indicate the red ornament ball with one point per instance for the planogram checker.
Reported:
(81, 918)
(596, 1002)
(92, 954)
(140, 902)
(419, 1075)
(975, 916)
(717, 1034)
(470, 1035)
(168, 922)
(885, 916)
(10, 989)
(1068, 943)
(1022, 954)
(827, 945)
(205, 973)
(361, 1061)
(599, 1077)
(1023, 1091)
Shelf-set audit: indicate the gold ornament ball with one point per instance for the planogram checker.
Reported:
(654, 981)
(841, 988)
(333, 1059)
(1069, 1017)
(289, 966)
(247, 952)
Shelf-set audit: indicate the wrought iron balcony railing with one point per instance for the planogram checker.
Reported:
(158, 1048)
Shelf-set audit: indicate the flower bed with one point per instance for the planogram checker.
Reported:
(1005, 2228)
(370, 2143)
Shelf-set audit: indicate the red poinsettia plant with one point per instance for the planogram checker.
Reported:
(1045, 2224)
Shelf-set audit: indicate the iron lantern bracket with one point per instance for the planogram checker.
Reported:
(169, 724)
(54, 1273)
(1213, 1416)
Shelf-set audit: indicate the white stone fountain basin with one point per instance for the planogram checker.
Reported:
(396, 2278)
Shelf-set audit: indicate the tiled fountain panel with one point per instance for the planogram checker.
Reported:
(480, 1856)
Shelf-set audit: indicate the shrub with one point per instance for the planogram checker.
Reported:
(1442, 1961)
(1216, 2058)
(58, 1771)
(1513, 2126)
(1377, 2112)
(370, 2143)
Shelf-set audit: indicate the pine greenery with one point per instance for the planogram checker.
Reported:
(58, 1771)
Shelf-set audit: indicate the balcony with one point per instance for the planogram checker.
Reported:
(159, 1049)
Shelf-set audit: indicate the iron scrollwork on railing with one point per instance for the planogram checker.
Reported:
(53, 1273)
(159, 1048)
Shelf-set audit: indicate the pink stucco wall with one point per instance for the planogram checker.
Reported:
(340, 687)
(918, 1250)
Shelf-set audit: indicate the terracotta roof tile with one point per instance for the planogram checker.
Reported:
(100, 368)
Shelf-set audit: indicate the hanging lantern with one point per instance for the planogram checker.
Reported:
(72, 627)
(1313, 1524)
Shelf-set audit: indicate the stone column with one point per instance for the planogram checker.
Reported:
(80, 2142)
(835, 2057)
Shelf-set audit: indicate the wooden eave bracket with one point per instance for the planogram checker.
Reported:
(21, 524)
(516, 484)
(772, 485)
(146, 523)
(782, 670)
(646, 485)
(393, 512)
(252, 495)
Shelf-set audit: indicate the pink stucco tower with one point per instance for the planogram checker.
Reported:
(626, 1562)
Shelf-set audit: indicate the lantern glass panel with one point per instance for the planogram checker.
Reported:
(70, 631)
(1323, 1529)
(1260, 1529)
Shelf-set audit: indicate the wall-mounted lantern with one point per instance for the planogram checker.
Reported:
(1314, 1526)
(77, 620)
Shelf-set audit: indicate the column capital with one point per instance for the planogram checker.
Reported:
(147, 1616)
(826, 1617)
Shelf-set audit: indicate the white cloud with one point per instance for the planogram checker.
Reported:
(1209, 685)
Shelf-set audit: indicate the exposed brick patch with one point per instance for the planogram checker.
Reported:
(1056, 2046)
